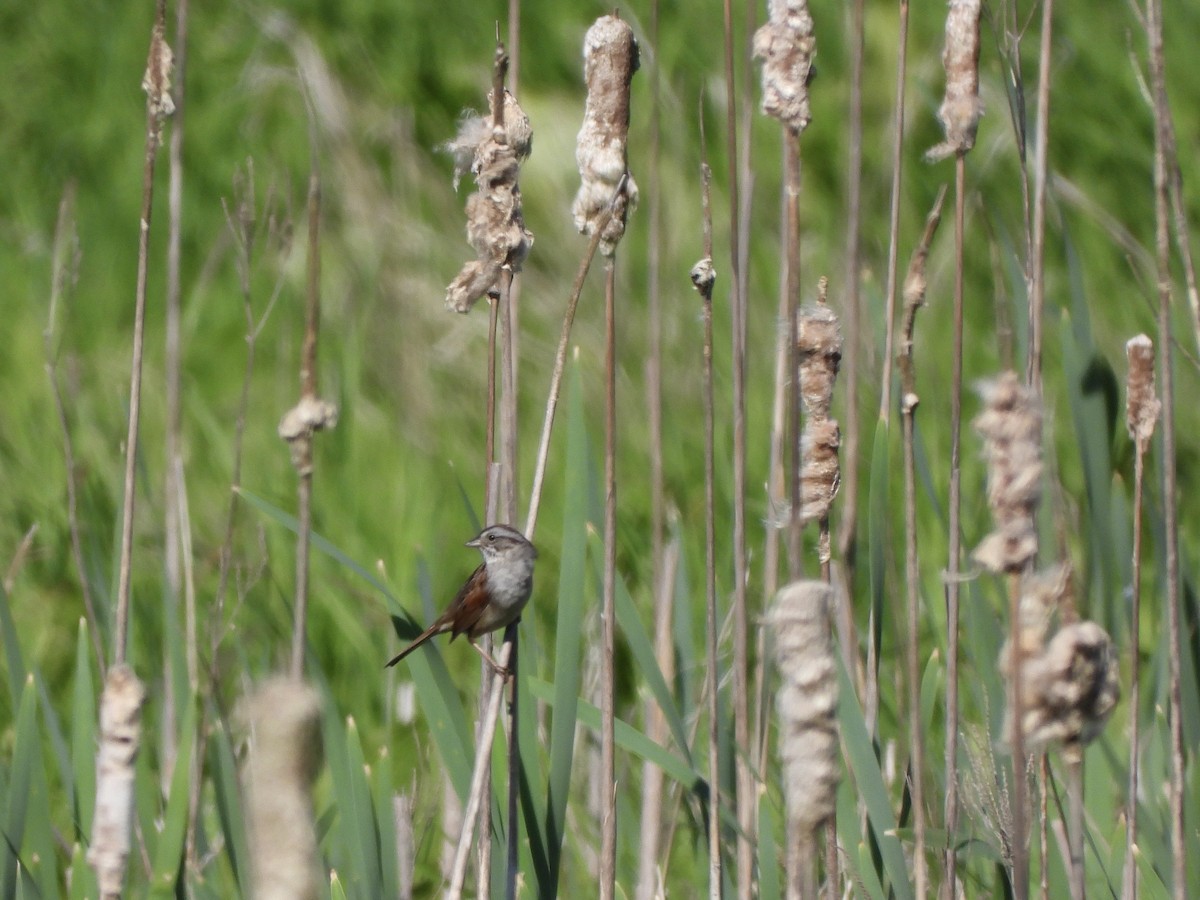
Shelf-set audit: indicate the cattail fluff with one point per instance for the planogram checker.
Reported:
(1011, 427)
(283, 718)
(961, 107)
(819, 352)
(610, 57)
(495, 222)
(806, 702)
(120, 739)
(786, 44)
(1141, 403)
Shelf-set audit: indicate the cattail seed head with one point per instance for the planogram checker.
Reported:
(156, 81)
(820, 471)
(1011, 427)
(786, 45)
(610, 57)
(1141, 403)
(495, 222)
(807, 702)
(284, 724)
(961, 108)
(819, 342)
(1070, 688)
(704, 276)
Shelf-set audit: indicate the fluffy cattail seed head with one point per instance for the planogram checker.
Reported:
(1011, 427)
(1141, 404)
(807, 702)
(704, 276)
(786, 45)
(820, 472)
(610, 57)
(1070, 688)
(961, 108)
(819, 342)
(495, 222)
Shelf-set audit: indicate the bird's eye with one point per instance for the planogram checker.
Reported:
(491, 537)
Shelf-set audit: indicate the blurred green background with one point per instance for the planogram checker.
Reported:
(388, 84)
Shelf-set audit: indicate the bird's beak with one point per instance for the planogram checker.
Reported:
(474, 542)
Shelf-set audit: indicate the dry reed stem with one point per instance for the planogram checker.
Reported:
(741, 719)
(961, 107)
(608, 677)
(848, 528)
(651, 817)
(893, 260)
(1037, 264)
(560, 361)
(914, 299)
(283, 717)
(301, 422)
(806, 705)
(120, 740)
(786, 45)
(704, 278)
(483, 755)
(1154, 29)
(1142, 412)
(157, 85)
(610, 56)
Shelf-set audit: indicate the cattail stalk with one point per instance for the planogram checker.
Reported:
(123, 695)
(703, 278)
(1141, 414)
(1158, 75)
(610, 59)
(1037, 293)
(914, 299)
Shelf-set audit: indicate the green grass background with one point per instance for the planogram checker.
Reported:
(409, 377)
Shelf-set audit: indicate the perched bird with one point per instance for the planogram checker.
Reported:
(492, 597)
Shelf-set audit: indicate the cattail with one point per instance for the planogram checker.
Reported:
(1011, 427)
(284, 721)
(819, 342)
(1070, 688)
(786, 45)
(156, 81)
(1141, 405)
(120, 739)
(820, 472)
(806, 702)
(961, 108)
(610, 57)
(496, 228)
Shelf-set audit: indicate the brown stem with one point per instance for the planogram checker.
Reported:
(1130, 884)
(608, 778)
(1020, 786)
(885, 395)
(1158, 76)
(1033, 373)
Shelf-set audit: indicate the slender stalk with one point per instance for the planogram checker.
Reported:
(954, 541)
(489, 442)
(1020, 786)
(791, 165)
(847, 543)
(304, 456)
(156, 75)
(483, 757)
(1074, 763)
(1154, 25)
(1130, 884)
(608, 774)
(560, 363)
(1043, 824)
(914, 296)
(172, 549)
(652, 776)
(885, 394)
(1033, 373)
(741, 717)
